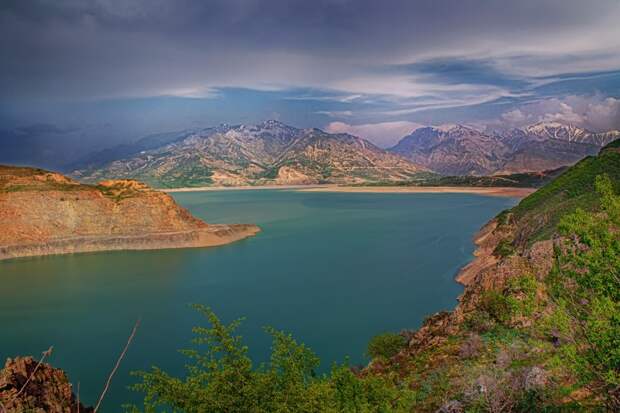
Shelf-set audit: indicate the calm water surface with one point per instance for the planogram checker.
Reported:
(333, 269)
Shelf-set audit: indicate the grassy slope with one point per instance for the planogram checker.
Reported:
(537, 215)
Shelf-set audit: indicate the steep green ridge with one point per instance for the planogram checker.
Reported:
(537, 215)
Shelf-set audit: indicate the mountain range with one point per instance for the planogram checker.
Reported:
(461, 150)
(274, 153)
(270, 152)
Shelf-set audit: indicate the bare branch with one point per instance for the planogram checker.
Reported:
(45, 354)
(118, 363)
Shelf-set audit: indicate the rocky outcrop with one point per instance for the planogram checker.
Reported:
(46, 390)
(45, 213)
(489, 274)
(486, 241)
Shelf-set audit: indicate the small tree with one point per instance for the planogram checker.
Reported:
(385, 345)
(221, 378)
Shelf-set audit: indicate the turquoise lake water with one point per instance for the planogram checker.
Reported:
(334, 269)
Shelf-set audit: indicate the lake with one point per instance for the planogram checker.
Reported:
(334, 269)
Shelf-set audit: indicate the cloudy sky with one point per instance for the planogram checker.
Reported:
(85, 74)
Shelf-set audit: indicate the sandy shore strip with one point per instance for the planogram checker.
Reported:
(492, 191)
(238, 188)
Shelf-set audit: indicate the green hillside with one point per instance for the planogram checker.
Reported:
(537, 216)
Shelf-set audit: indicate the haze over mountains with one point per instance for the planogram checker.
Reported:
(274, 153)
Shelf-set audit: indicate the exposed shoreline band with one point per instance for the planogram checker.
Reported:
(491, 191)
(213, 235)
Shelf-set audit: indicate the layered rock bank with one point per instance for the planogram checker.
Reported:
(44, 213)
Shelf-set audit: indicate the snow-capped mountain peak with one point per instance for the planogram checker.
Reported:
(447, 127)
(552, 129)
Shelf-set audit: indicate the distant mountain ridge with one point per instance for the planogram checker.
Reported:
(267, 153)
(461, 150)
(272, 152)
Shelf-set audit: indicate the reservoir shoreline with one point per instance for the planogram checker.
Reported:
(212, 236)
(511, 192)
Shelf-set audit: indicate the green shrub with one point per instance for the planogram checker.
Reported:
(479, 321)
(496, 305)
(522, 294)
(504, 249)
(503, 218)
(385, 345)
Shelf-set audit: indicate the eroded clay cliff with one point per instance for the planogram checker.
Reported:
(44, 213)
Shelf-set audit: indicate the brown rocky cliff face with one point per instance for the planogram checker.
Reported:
(48, 391)
(47, 213)
(486, 240)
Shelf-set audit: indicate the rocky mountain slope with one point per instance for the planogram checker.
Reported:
(460, 150)
(43, 213)
(267, 153)
(453, 150)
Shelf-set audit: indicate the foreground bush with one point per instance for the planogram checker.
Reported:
(221, 378)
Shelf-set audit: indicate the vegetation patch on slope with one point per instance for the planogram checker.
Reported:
(518, 180)
(537, 216)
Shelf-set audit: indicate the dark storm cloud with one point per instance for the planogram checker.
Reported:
(68, 49)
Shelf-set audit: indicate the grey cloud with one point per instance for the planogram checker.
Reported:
(70, 49)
